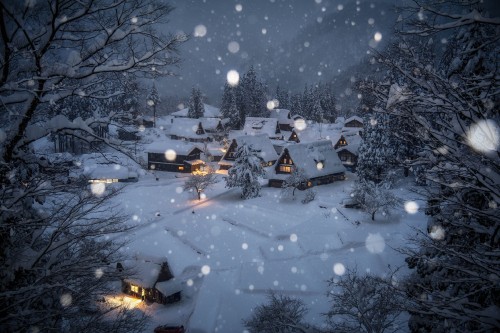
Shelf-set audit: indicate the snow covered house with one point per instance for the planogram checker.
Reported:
(209, 112)
(318, 159)
(105, 173)
(189, 129)
(354, 121)
(259, 142)
(284, 117)
(348, 154)
(152, 280)
(259, 125)
(175, 156)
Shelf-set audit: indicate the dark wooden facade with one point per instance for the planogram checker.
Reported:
(182, 163)
(349, 160)
(341, 142)
(294, 137)
(353, 123)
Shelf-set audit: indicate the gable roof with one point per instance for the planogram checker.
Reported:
(353, 118)
(147, 270)
(283, 116)
(308, 155)
(259, 142)
(210, 112)
(210, 124)
(259, 125)
(353, 143)
(187, 127)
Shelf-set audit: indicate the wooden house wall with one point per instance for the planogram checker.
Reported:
(158, 161)
(353, 123)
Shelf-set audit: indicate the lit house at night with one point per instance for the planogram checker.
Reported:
(151, 281)
(318, 159)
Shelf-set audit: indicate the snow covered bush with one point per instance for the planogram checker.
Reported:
(374, 197)
(309, 196)
(365, 303)
(282, 314)
(246, 172)
(296, 180)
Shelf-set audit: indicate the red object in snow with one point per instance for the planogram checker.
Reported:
(169, 329)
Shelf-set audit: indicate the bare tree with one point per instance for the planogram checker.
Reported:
(59, 48)
(199, 182)
(282, 314)
(366, 304)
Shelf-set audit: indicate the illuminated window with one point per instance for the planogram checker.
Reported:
(134, 289)
(181, 168)
(285, 168)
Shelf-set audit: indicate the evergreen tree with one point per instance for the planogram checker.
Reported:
(283, 98)
(296, 105)
(317, 112)
(328, 102)
(375, 153)
(196, 109)
(252, 95)
(229, 107)
(451, 287)
(246, 171)
(307, 102)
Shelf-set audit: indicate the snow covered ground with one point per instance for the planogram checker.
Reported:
(240, 249)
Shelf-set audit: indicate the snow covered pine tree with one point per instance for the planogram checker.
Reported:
(455, 283)
(246, 171)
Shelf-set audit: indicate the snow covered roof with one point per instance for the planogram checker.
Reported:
(146, 270)
(186, 128)
(283, 116)
(353, 118)
(314, 132)
(180, 147)
(106, 171)
(210, 112)
(258, 125)
(169, 287)
(316, 158)
(209, 124)
(353, 143)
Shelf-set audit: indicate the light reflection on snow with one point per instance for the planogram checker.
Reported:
(437, 232)
(375, 243)
(66, 300)
(484, 136)
(411, 207)
(339, 269)
(233, 77)
(205, 270)
(200, 30)
(170, 154)
(99, 273)
(97, 189)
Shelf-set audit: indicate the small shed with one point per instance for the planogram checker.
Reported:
(259, 125)
(354, 121)
(189, 129)
(284, 117)
(174, 156)
(318, 159)
(152, 280)
(109, 173)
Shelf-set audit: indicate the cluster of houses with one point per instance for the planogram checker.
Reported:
(284, 142)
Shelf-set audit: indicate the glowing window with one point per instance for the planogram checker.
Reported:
(181, 168)
(285, 168)
(134, 289)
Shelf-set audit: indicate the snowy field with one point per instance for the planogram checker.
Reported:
(232, 251)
